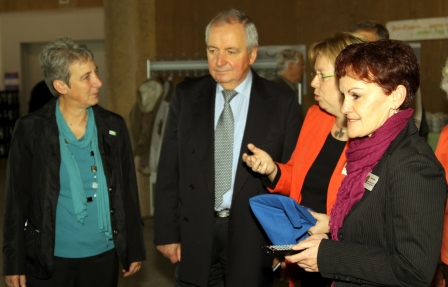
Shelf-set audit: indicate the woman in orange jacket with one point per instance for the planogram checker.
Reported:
(315, 171)
(442, 156)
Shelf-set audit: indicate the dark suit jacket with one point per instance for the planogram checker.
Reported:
(32, 191)
(184, 205)
(392, 236)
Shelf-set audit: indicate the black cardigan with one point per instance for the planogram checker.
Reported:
(32, 190)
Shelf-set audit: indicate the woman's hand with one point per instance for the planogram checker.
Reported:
(133, 268)
(307, 259)
(260, 161)
(322, 224)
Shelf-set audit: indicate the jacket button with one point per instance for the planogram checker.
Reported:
(186, 219)
(341, 236)
(110, 189)
(112, 211)
(193, 151)
(191, 187)
(115, 231)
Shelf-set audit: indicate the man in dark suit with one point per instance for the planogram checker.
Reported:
(218, 243)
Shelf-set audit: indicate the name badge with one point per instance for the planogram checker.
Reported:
(370, 181)
(344, 170)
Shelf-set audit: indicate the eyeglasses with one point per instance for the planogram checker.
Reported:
(321, 77)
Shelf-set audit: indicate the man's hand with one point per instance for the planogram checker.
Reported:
(16, 280)
(170, 251)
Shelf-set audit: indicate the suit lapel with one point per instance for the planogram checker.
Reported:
(203, 112)
(256, 130)
(105, 131)
(49, 135)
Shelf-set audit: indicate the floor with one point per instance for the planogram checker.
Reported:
(156, 271)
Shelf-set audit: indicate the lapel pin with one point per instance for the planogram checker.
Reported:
(111, 132)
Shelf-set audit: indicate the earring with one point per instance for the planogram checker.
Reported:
(395, 110)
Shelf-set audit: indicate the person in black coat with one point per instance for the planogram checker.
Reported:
(40, 95)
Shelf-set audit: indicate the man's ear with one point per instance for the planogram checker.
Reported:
(398, 96)
(253, 55)
(60, 87)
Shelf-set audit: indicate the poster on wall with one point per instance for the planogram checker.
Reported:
(419, 29)
(271, 53)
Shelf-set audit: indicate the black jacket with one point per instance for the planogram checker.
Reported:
(32, 190)
(392, 236)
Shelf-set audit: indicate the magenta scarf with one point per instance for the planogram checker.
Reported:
(362, 155)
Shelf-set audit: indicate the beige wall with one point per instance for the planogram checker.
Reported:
(40, 27)
(32, 5)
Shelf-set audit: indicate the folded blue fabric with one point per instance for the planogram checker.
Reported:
(282, 218)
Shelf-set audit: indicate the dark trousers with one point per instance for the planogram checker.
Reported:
(313, 279)
(96, 271)
(217, 275)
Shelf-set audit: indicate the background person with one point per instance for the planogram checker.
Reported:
(290, 69)
(40, 95)
(71, 183)
(386, 224)
(370, 30)
(315, 171)
(216, 240)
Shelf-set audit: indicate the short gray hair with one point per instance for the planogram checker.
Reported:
(232, 16)
(444, 82)
(286, 56)
(57, 56)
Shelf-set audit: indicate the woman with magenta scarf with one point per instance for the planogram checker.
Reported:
(386, 224)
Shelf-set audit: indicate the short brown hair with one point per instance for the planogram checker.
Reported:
(387, 63)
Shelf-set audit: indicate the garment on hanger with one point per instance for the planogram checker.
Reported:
(159, 124)
(157, 136)
(142, 118)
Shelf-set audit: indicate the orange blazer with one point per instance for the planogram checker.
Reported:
(315, 129)
(442, 156)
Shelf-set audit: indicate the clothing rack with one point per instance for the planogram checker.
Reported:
(197, 65)
(202, 65)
